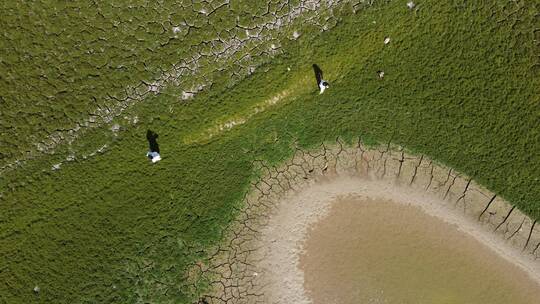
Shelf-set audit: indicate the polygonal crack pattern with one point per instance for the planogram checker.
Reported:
(232, 268)
(236, 50)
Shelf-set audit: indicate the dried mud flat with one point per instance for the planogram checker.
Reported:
(260, 260)
(381, 244)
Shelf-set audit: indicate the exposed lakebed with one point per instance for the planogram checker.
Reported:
(378, 251)
(375, 225)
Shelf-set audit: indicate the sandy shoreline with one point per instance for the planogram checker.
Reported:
(288, 228)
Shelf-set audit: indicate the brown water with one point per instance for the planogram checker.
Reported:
(367, 251)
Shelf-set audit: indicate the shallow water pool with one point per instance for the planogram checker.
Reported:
(367, 251)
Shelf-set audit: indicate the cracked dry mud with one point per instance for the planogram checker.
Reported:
(236, 51)
(236, 268)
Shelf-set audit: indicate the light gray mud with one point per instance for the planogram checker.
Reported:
(259, 260)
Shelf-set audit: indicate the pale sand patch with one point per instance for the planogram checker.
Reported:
(286, 231)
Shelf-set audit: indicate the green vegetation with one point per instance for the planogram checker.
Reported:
(65, 64)
(461, 86)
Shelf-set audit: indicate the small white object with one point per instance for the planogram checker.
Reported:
(323, 85)
(296, 35)
(381, 74)
(255, 274)
(36, 289)
(387, 40)
(411, 5)
(187, 95)
(288, 69)
(154, 156)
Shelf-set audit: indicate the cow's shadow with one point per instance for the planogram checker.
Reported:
(152, 136)
(318, 74)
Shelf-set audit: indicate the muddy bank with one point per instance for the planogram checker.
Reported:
(260, 261)
(305, 263)
(380, 251)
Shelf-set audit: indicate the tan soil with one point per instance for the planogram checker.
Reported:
(360, 254)
(259, 259)
(480, 266)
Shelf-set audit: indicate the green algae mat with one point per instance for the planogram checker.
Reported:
(88, 219)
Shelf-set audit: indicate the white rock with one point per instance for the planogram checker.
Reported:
(187, 95)
(386, 40)
(154, 88)
(41, 147)
(411, 5)
(36, 289)
(296, 35)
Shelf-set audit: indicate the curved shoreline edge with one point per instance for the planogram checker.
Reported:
(238, 270)
(283, 239)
